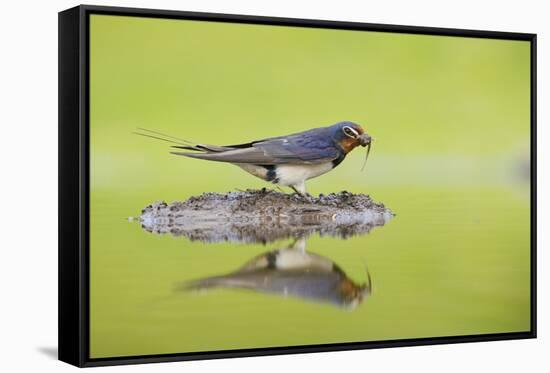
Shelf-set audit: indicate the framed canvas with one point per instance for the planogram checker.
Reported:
(215, 197)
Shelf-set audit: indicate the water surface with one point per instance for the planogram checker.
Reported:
(455, 265)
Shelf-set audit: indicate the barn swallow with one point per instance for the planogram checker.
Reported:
(293, 272)
(284, 160)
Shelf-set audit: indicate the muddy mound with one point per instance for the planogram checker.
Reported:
(264, 216)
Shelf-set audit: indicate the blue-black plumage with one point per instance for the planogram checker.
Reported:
(284, 160)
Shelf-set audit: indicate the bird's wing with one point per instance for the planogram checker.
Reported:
(305, 148)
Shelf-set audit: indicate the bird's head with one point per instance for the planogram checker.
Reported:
(350, 135)
(353, 294)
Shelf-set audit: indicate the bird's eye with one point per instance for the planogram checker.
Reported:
(350, 132)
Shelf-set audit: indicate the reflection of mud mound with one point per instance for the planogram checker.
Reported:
(264, 216)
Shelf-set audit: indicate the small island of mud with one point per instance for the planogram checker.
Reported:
(264, 215)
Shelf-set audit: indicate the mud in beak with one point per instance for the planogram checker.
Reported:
(364, 139)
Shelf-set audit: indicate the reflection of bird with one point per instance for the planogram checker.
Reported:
(284, 160)
(292, 272)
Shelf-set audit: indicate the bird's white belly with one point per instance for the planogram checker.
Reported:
(294, 174)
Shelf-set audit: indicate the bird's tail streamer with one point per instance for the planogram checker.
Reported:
(162, 136)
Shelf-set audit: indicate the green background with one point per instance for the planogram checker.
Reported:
(450, 118)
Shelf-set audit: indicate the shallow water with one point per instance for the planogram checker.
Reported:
(452, 262)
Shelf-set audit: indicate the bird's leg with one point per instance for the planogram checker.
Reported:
(300, 189)
(299, 244)
(295, 190)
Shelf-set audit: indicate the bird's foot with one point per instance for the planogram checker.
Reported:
(303, 196)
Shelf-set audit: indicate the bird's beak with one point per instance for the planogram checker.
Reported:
(364, 139)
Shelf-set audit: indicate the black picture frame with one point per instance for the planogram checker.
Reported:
(74, 183)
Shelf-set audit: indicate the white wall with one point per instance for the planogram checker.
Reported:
(28, 174)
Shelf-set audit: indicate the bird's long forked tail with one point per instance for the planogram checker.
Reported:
(178, 142)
